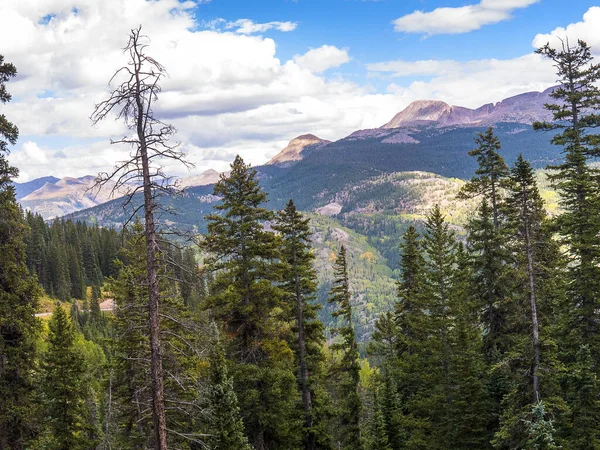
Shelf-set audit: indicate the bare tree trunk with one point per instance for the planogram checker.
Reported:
(132, 101)
(156, 368)
(534, 318)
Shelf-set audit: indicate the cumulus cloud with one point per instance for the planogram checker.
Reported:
(460, 19)
(228, 91)
(247, 26)
(586, 30)
(320, 59)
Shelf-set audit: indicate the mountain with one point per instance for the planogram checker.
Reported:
(67, 195)
(522, 108)
(24, 189)
(364, 190)
(209, 176)
(297, 149)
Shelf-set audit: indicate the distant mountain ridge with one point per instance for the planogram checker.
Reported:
(295, 149)
(427, 135)
(523, 108)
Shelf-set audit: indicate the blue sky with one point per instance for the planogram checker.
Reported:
(248, 76)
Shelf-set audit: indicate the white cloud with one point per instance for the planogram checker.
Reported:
(228, 92)
(320, 59)
(247, 26)
(586, 30)
(461, 19)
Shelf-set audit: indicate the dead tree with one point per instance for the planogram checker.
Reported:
(137, 89)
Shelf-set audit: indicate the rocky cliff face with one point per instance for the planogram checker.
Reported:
(296, 146)
(523, 108)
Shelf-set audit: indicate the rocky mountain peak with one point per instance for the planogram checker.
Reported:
(523, 108)
(419, 110)
(294, 149)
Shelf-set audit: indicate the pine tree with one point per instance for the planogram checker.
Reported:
(377, 433)
(410, 286)
(248, 305)
(132, 422)
(490, 175)
(470, 407)
(439, 247)
(575, 115)
(19, 294)
(347, 370)
(64, 386)
(410, 316)
(299, 286)
(226, 428)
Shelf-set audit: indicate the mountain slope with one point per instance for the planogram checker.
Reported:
(298, 148)
(24, 189)
(523, 108)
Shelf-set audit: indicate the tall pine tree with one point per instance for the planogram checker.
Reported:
(299, 286)
(346, 371)
(248, 304)
(19, 294)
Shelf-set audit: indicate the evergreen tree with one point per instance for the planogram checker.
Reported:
(132, 422)
(248, 304)
(439, 247)
(578, 183)
(226, 428)
(64, 386)
(347, 369)
(18, 300)
(575, 115)
(470, 407)
(490, 175)
(410, 286)
(299, 286)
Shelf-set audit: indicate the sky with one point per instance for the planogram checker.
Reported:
(246, 77)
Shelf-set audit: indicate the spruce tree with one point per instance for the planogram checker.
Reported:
(470, 407)
(575, 116)
(439, 247)
(132, 422)
(19, 294)
(490, 175)
(299, 286)
(347, 369)
(247, 303)
(226, 428)
(64, 386)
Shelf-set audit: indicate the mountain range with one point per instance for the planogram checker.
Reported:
(361, 191)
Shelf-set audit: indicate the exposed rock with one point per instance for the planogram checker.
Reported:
(293, 151)
(331, 209)
(522, 108)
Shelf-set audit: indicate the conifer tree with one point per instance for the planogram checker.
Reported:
(470, 407)
(410, 285)
(490, 175)
(575, 116)
(299, 286)
(347, 370)
(132, 425)
(19, 294)
(64, 386)
(226, 428)
(248, 305)
(439, 247)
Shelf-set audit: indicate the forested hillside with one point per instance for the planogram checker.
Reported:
(360, 302)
